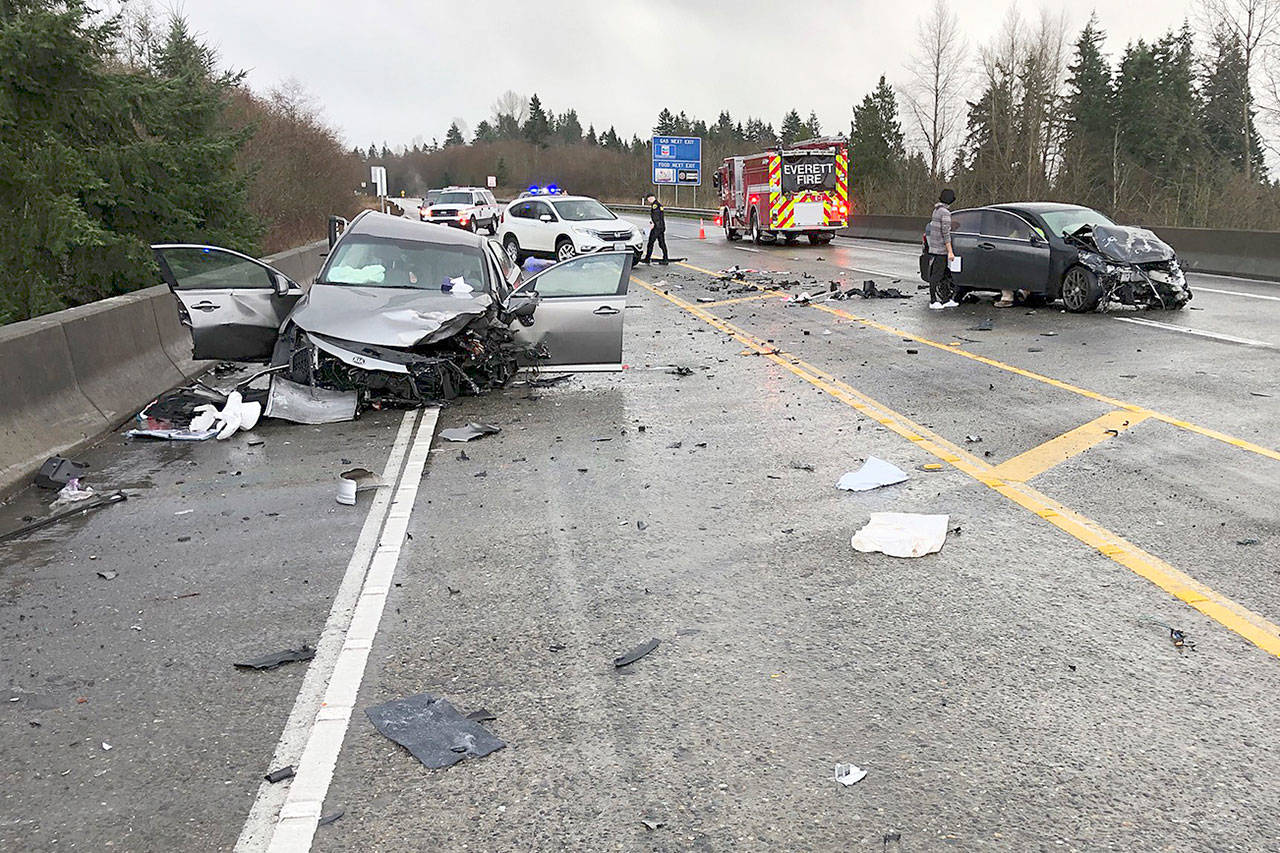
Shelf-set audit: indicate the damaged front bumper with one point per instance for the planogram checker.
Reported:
(1155, 284)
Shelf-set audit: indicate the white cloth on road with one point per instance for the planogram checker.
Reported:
(902, 534)
(873, 474)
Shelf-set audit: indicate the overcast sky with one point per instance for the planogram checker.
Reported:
(400, 70)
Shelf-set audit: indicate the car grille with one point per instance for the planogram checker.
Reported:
(615, 235)
(445, 214)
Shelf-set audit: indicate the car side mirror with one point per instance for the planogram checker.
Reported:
(281, 284)
(1037, 240)
(546, 217)
(522, 304)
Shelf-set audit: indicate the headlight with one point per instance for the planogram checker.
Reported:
(588, 232)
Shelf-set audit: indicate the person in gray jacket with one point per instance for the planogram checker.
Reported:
(938, 238)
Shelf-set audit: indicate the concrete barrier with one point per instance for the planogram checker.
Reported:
(69, 377)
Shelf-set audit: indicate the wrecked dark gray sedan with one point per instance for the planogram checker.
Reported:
(1050, 251)
(402, 312)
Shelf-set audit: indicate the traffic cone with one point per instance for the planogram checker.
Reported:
(702, 232)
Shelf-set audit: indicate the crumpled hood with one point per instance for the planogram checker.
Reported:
(1131, 245)
(387, 316)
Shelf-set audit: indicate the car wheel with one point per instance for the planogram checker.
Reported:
(472, 227)
(493, 227)
(756, 236)
(1080, 290)
(512, 245)
(564, 249)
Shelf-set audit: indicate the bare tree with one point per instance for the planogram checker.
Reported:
(933, 94)
(509, 103)
(1256, 24)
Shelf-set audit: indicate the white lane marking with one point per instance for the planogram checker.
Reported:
(301, 810)
(862, 243)
(1270, 282)
(898, 275)
(266, 806)
(1198, 288)
(1217, 336)
(747, 249)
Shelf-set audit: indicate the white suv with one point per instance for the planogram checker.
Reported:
(471, 208)
(561, 226)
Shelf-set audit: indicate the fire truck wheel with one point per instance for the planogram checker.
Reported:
(791, 239)
(756, 236)
(820, 239)
(730, 234)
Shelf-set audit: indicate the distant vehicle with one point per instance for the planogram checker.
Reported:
(1062, 251)
(787, 192)
(561, 226)
(401, 311)
(471, 208)
(550, 189)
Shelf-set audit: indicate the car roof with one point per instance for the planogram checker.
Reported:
(371, 223)
(556, 197)
(1038, 206)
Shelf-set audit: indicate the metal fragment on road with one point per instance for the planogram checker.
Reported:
(432, 730)
(636, 653)
(330, 818)
(849, 774)
(469, 432)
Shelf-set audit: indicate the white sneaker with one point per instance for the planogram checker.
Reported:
(936, 306)
(951, 303)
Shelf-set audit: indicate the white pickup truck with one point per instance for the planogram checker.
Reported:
(471, 208)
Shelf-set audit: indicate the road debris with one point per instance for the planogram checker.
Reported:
(330, 817)
(469, 432)
(354, 481)
(56, 472)
(681, 371)
(547, 381)
(636, 653)
(849, 774)
(73, 492)
(275, 659)
(902, 534)
(481, 715)
(96, 502)
(432, 730)
(307, 404)
(973, 439)
(873, 474)
(651, 825)
(280, 775)
(108, 575)
(1247, 541)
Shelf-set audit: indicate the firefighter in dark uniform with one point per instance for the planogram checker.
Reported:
(658, 233)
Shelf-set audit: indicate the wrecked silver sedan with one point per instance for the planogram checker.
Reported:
(402, 312)
(1119, 263)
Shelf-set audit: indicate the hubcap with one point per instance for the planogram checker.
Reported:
(512, 251)
(566, 252)
(1073, 289)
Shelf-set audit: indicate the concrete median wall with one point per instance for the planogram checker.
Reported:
(68, 378)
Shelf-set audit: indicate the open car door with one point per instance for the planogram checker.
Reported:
(232, 303)
(581, 303)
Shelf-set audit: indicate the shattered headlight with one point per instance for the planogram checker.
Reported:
(1123, 273)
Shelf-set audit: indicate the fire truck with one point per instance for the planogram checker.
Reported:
(786, 192)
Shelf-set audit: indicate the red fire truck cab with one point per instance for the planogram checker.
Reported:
(786, 192)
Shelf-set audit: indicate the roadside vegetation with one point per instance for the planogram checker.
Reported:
(1166, 133)
(116, 132)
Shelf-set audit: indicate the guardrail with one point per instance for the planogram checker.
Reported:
(1251, 254)
(70, 377)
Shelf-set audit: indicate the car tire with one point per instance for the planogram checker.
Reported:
(820, 239)
(472, 226)
(564, 249)
(1080, 290)
(493, 227)
(757, 236)
(512, 245)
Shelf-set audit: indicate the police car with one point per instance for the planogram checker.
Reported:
(546, 223)
(471, 208)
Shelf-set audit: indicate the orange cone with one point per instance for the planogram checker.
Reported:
(702, 232)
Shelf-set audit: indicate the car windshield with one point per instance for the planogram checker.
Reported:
(454, 198)
(1072, 219)
(432, 195)
(582, 210)
(381, 262)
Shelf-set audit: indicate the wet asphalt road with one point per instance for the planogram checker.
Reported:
(1018, 690)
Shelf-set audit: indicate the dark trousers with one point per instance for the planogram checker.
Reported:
(939, 272)
(658, 235)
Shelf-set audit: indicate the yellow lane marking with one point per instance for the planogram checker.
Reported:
(1237, 618)
(1207, 432)
(1057, 450)
(758, 296)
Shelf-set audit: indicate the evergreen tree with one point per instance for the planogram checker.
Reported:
(876, 149)
(1090, 121)
(454, 136)
(386, 152)
(682, 124)
(373, 152)
(666, 125)
(610, 139)
(536, 128)
(793, 129)
(484, 133)
(500, 172)
(723, 129)
(569, 128)
(591, 135)
(1227, 98)
(813, 126)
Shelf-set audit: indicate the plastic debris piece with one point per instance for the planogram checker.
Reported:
(330, 817)
(56, 472)
(972, 439)
(305, 404)
(651, 824)
(636, 653)
(108, 575)
(849, 774)
(901, 534)
(279, 775)
(97, 502)
(1247, 541)
(432, 730)
(471, 431)
(106, 746)
(482, 715)
(356, 480)
(172, 434)
(873, 474)
(73, 492)
(275, 659)
(681, 370)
